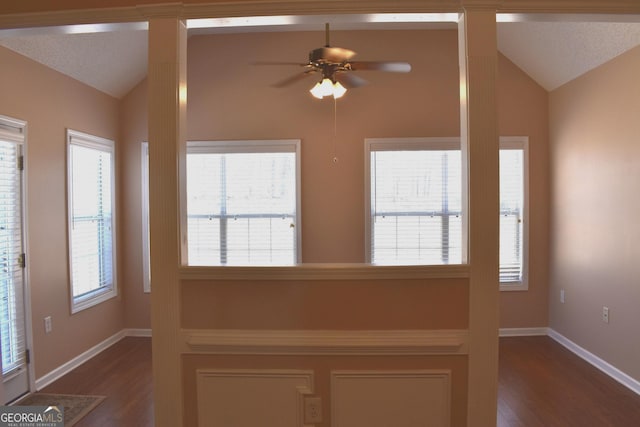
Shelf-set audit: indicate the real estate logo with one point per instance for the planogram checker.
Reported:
(31, 416)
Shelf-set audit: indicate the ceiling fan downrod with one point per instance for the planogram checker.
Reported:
(326, 37)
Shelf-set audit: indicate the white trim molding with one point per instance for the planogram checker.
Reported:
(604, 366)
(220, 390)
(412, 397)
(326, 272)
(524, 332)
(317, 342)
(128, 14)
(133, 332)
(69, 366)
(108, 248)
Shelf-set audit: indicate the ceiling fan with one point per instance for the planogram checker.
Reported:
(335, 66)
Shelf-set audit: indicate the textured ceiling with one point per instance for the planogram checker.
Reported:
(112, 62)
(552, 53)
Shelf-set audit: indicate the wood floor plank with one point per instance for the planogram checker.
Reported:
(541, 384)
(123, 374)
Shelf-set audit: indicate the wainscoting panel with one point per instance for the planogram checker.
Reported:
(320, 342)
(390, 398)
(249, 398)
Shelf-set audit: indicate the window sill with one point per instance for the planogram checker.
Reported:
(79, 304)
(325, 272)
(514, 286)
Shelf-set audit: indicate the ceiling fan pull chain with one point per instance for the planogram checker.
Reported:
(335, 129)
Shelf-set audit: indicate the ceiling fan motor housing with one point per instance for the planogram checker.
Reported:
(334, 55)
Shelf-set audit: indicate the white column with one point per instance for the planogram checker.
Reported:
(167, 124)
(478, 62)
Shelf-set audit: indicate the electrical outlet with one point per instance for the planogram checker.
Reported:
(562, 296)
(605, 314)
(47, 325)
(312, 410)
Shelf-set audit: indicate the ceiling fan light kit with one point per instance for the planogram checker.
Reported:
(328, 88)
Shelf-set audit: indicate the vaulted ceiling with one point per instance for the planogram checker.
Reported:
(113, 59)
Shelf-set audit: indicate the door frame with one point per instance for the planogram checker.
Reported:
(28, 324)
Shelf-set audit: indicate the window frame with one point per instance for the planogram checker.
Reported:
(401, 144)
(144, 192)
(520, 143)
(255, 146)
(450, 143)
(15, 131)
(99, 295)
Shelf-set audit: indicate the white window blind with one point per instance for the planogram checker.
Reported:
(242, 205)
(414, 206)
(91, 221)
(512, 212)
(12, 325)
(415, 202)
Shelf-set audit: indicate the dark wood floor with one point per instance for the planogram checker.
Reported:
(541, 384)
(122, 373)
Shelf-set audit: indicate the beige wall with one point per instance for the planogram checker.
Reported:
(595, 231)
(371, 304)
(230, 99)
(51, 102)
(133, 131)
(523, 111)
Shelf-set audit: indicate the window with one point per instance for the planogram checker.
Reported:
(513, 213)
(146, 267)
(414, 209)
(243, 202)
(90, 188)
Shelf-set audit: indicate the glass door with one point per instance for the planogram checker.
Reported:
(15, 374)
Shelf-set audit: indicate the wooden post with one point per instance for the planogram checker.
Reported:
(167, 125)
(480, 148)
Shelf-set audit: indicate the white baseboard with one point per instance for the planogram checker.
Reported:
(137, 332)
(61, 370)
(523, 332)
(65, 368)
(607, 368)
(594, 360)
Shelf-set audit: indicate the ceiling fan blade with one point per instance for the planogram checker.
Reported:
(349, 80)
(278, 63)
(290, 80)
(394, 67)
